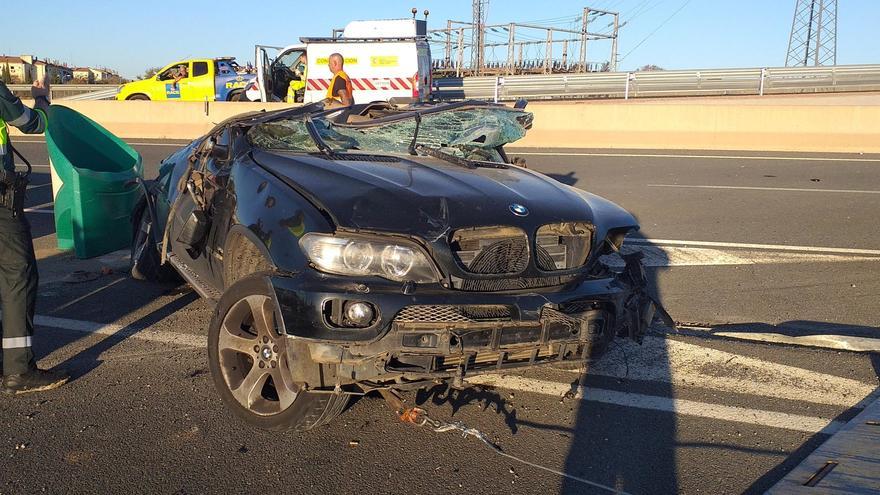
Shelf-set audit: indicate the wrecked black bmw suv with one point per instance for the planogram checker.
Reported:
(375, 248)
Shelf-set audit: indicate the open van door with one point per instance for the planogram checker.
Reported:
(264, 73)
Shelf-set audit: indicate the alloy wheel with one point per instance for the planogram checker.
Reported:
(253, 358)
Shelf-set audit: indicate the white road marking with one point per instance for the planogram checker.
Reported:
(43, 208)
(841, 342)
(773, 419)
(628, 155)
(112, 329)
(690, 365)
(177, 145)
(719, 157)
(769, 247)
(667, 256)
(774, 189)
(767, 377)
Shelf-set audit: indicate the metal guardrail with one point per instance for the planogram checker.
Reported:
(105, 94)
(71, 91)
(761, 81)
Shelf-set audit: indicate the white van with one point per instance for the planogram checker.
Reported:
(388, 60)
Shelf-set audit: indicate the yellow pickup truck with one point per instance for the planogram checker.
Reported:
(219, 79)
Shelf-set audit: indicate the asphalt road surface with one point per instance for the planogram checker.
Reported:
(748, 242)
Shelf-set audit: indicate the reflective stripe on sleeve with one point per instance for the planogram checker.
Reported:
(2, 149)
(23, 119)
(16, 342)
(44, 121)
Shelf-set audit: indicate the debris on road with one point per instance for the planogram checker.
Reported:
(419, 417)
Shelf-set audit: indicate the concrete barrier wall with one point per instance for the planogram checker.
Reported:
(709, 126)
(783, 125)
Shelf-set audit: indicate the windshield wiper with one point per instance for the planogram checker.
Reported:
(316, 137)
(412, 144)
(457, 160)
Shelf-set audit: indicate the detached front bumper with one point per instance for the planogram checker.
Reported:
(436, 333)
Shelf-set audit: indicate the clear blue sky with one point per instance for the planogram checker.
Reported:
(131, 36)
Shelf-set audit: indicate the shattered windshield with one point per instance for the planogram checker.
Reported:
(470, 132)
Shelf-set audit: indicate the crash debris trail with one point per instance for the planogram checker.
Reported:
(419, 417)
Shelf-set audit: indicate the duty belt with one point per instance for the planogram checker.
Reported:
(13, 186)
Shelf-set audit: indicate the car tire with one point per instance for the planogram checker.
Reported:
(248, 358)
(145, 261)
(236, 96)
(138, 97)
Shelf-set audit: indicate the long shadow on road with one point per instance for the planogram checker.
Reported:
(92, 294)
(626, 448)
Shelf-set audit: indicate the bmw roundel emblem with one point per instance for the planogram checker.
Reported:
(519, 210)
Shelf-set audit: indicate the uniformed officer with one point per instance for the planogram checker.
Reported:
(297, 85)
(18, 265)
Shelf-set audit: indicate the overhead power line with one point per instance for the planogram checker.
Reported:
(640, 43)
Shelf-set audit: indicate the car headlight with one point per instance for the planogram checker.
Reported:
(396, 259)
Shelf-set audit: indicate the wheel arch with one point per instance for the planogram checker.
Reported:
(244, 254)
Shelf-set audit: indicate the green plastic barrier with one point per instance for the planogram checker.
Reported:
(94, 183)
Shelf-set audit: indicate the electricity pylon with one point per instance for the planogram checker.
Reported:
(813, 39)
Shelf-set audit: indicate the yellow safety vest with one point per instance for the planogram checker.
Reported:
(4, 141)
(348, 87)
(292, 88)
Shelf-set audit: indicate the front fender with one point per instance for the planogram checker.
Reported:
(607, 215)
(274, 216)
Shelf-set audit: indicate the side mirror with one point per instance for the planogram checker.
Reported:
(521, 104)
(219, 151)
(194, 229)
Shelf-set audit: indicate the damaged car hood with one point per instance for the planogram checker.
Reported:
(426, 196)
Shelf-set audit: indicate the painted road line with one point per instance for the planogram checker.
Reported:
(677, 406)
(178, 145)
(719, 157)
(690, 365)
(774, 189)
(669, 256)
(626, 155)
(769, 247)
(851, 343)
(112, 329)
(773, 419)
(45, 208)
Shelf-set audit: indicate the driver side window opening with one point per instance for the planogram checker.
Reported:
(283, 71)
(171, 73)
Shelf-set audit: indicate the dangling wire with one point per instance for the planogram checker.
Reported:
(419, 417)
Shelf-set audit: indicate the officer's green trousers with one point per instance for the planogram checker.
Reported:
(18, 292)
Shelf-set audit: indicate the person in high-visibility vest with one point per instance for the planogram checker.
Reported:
(340, 91)
(18, 265)
(297, 85)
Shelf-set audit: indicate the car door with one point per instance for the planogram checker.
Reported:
(202, 193)
(168, 90)
(199, 86)
(264, 73)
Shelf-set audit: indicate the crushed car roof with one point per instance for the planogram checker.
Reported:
(466, 130)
